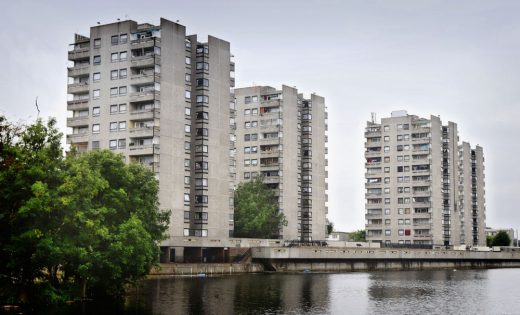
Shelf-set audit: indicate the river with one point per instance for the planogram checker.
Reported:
(493, 291)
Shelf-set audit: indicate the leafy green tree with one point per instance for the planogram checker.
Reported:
(489, 240)
(330, 227)
(31, 161)
(501, 239)
(256, 211)
(358, 236)
(83, 226)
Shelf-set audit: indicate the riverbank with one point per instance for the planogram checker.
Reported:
(336, 259)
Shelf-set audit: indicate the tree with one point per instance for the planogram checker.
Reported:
(330, 226)
(87, 225)
(501, 239)
(256, 211)
(489, 240)
(358, 236)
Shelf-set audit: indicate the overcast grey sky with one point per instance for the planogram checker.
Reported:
(456, 59)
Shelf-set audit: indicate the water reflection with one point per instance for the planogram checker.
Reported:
(411, 292)
(302, 294)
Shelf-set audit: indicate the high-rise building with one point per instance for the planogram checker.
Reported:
(160, 98)
(281, 136)
(421, 186)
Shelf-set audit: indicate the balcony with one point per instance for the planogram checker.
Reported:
(79, 53)
(270, 128)
(77, 104)
(422, 193)
(421, 204)
(77, 138)
(370, 144)
(270, 167)
(144, 96)
(270, 140)
(271, 153)
(374, 184)
(143, 149)
(78, 88)
(145, 42)
(144, 78)
(80, 70)
(372, 134)
(144, 131)
(373, 153)
(271, 180)
(77, 121)
(146, 114)
(145, 61)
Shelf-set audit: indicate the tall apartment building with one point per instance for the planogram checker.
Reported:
(281, 136)
(161, 98)
(422, 187)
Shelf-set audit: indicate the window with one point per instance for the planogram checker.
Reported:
(114, 57)
(187, 163)
(387, 211)
(387, 169)
(95, 111)
(247, 112)
(95, 94)
(202, 82)
(123, 38)
(387, 159)
(387, 180)
(113, 126)
(386, 128)
(187, 111)
(401, 232)
(112, 144)
(186, 197)
(187, 128)
(187, 77)
(387, 149)
(113, 109)
(186, 182)
(95, 145)
(254, 111)
(201, 199)
(188, 60)
(388, 232)
(202, 132)
(247, 99)
(387, 201)
(122, 125)
(254, 99)
(387, 190)
(113, 91)
(121, 143)
(122, 108)
(113, 75)
(122, 90)
(202, 99)
(254, 162)
(247, 124)
(247, 175)
(201, 165)
(187, 145)
(202, 115)
(254, 149)
(97, 42)
(201, 148)
(387, 138)
(96, 60)
(186, 232)
(202, 49)
(247, 150)
(201, 182)
(247, 137)
(254, 136)
(202, 66)
(123, 56)
(187, 94)
(115, 40)
(95, 128)
(96, 76)
(122, 73)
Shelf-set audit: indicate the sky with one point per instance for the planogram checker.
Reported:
(456, 59)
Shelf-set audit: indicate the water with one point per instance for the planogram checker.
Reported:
(492, 291)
